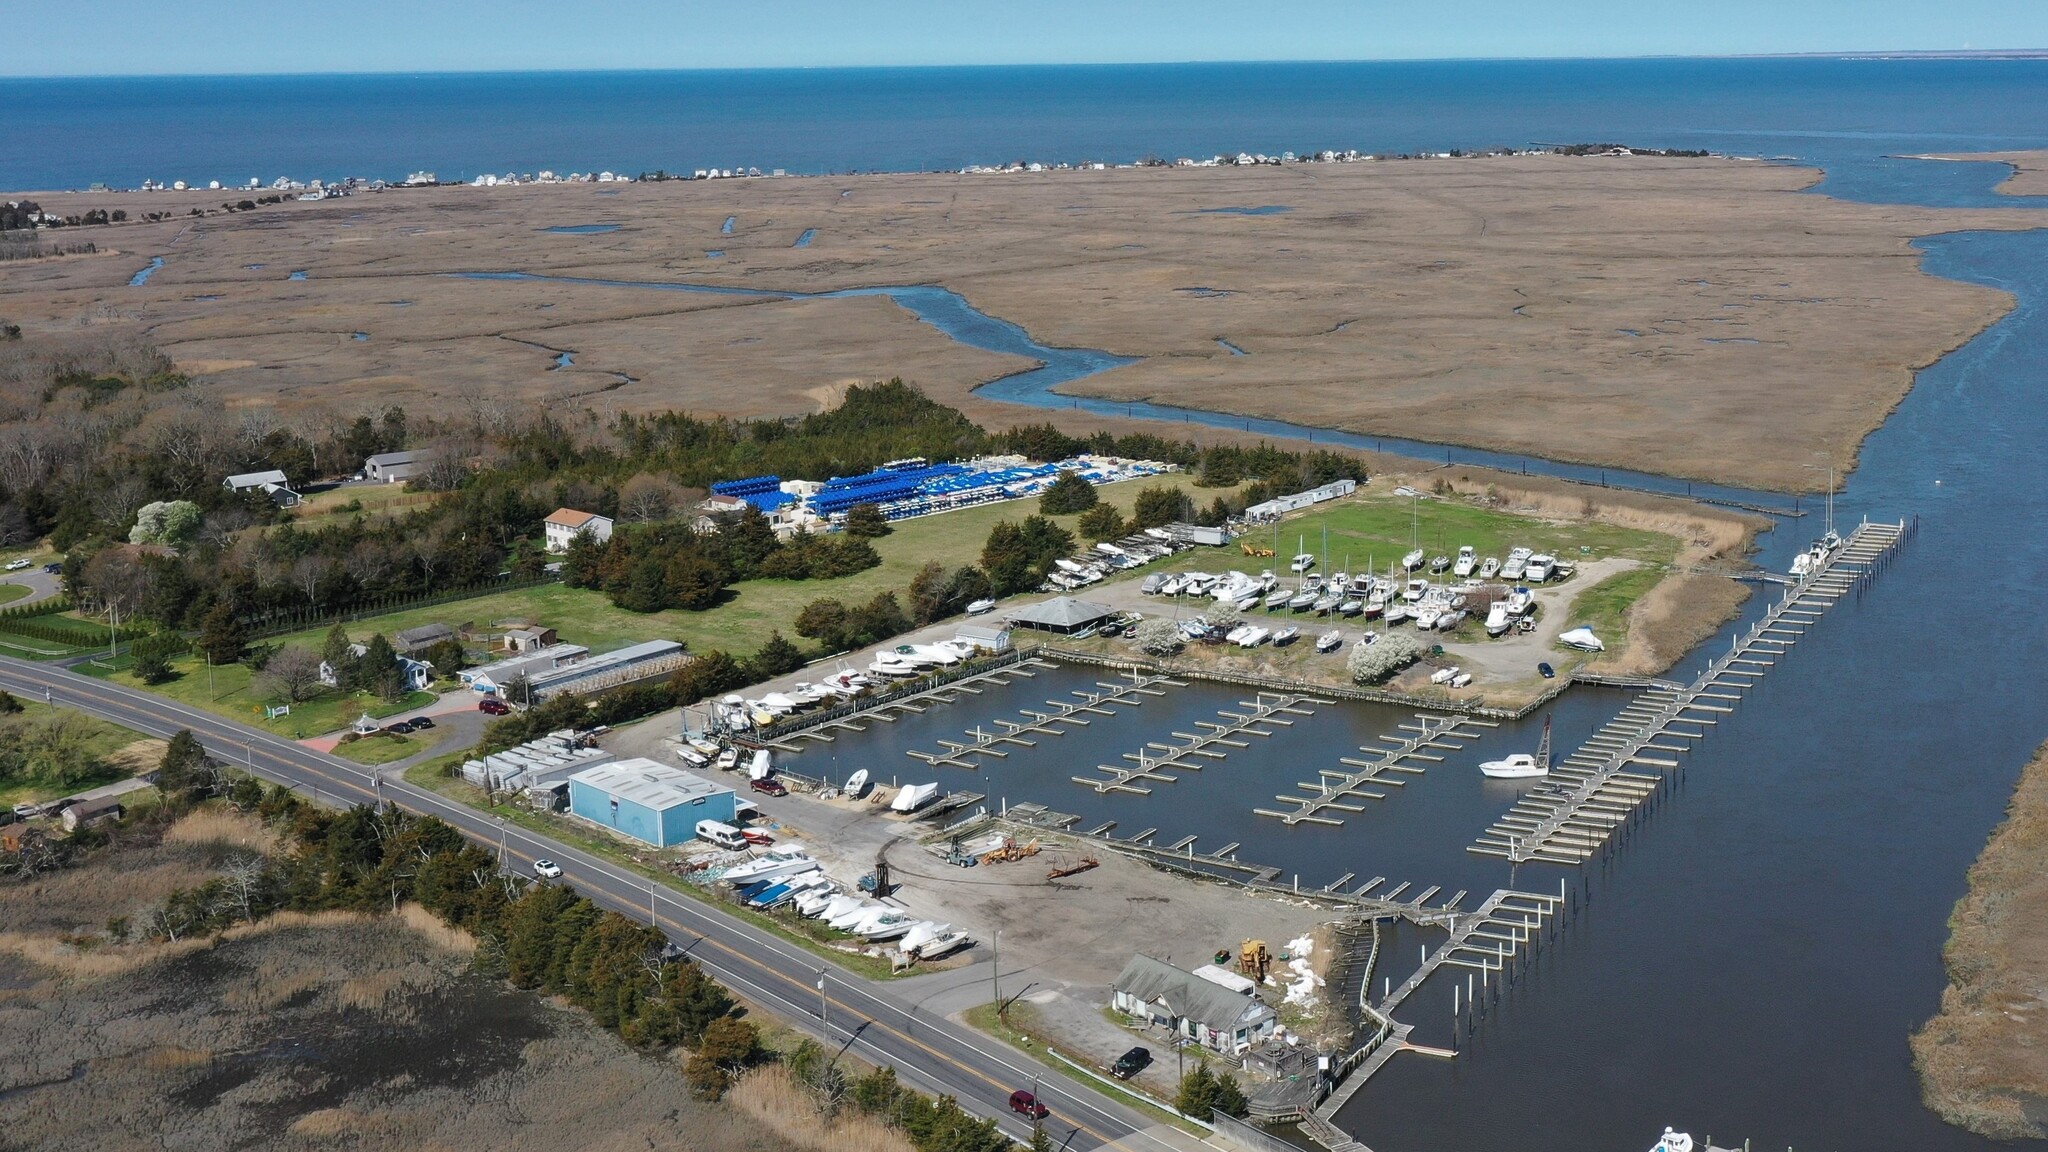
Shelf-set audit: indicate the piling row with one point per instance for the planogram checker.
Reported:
(1593, 791)
(1151, 761)
(1099, 701)
(1343, 789)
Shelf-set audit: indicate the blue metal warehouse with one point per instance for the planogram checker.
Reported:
(650, 802)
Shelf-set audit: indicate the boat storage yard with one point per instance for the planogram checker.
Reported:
(1286, 796)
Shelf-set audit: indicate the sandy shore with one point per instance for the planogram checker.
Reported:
(2029, 169)
(1577, 308)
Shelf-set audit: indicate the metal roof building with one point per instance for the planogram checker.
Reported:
(1216, 1017)
(1061, 614)
(649, 801)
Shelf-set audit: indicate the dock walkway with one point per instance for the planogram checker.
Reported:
(1211, 742)
(1595, 791)
(955, 753)
(1342, 789)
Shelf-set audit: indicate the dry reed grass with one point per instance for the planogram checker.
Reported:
(435, 931)
(68, 961)
(1983, 1060)
(781, 1106)
(222, 827)
(139, 756)
(1678, 613)
(340, 1123)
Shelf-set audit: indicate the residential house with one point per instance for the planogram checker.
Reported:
(1218, 1018)
(87, 813)
(416, 674)
(564, 525)
(394, 467)
(271, 483)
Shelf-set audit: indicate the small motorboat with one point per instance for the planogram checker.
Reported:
(1439, 564)
(1302, 599)
(1285, 636)
(1350, 608)
(1324, 605)
(922, 934)
(1490, 568)
(691, 756)
(1329, 641)
(1396, 612)
(1674, 1142)
(1302, 562)
(887, 926)
(856, 784)
(1462, 680)
(944, 945)
(1276, 599)
(860, 911)
(1253, 637)
(977, 607)
(1444, 675)
(1248, 603)
(1582, 639)
(729, 759)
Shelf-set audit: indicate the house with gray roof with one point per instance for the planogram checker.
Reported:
(1218, 1018)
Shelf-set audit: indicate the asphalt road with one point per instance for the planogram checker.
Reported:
(928, 1051)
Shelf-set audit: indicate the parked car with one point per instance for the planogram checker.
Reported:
(398, 729)
(492, 706)
(769, 785)
(28, 811)
(547, 869)
(54, 566)
(1131, 1063)
(1546, 671)
(422, 723)
(17, 565)
(1025, 1104)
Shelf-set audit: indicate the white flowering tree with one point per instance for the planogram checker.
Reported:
(1375, 663)
(1158, 637)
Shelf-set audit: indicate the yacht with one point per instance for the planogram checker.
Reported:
(1490, 568)
(1413, 560)
(1497, 619)
(1518, 563)
(1539, 567)
(1415, 590)
(1468, 559)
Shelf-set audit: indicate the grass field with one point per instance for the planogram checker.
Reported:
(377, 749)
(9, 593)
(104, 739)
(338, 505)
(758, 607)
(230, 691)
(1604, 607)
(1377, 530)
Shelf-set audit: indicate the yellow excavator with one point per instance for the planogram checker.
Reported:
(1255, 550)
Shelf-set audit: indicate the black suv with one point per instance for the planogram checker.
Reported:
(1131, 1063)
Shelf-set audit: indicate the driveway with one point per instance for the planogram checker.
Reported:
(462, 721)
(41, 585)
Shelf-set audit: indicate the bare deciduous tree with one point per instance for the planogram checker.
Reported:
(647, 498)
(292, 672)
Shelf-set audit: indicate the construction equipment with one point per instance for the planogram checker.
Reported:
(1074, 869)
(1254, 960)
(1009, 851)
(1255, 550)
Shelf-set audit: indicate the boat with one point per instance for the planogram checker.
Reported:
(923, 933)
(1375, 604)
(1582, 639)
(945, 945)
(1326, 604)
(1468, 559)
(1066, 565)
(1302, 599)
(911, 797)
(977, 607)
(839, 905)
(1802, 564)
(789, 889)
(1302, 562)
(1539, 567)
(939, 654)
(1248, 603)
(788, 859)
(760, 714)
(702, 745)
(1237, 634)
(1329, 641)
(1415, 590)
(1451, 618)
(1518, 563)
(1350, 608)
(1497, 619)
(1427, 614)
(780, 703)
(1253, 637)
(859, 912)
(889, 664)
(1444, 675)
(1462, 680)
(1439, 564)
(1172, 586)
(1396, 612)
(1674, 1142)
(1285, 636)
(816, 900)
(1522, 765)
(886, 926)
(1520, 601)
(1413, 560)
(690, 756)
(761, 766)
(1490, 568)
(729, 759)
(856, 784)
(1276, 599)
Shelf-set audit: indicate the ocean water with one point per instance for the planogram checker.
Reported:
(122, 131)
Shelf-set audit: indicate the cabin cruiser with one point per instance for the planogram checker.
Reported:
(1268, 581)
(1518, 766)
(1302, 563)
(887, 926)
(1490, 568)
(1518, 563)
(1520, 601)
(1539, 567)
(977, 607)
(892, 665)
(1497, 619)
(1415, 590)
(1413, 560)
(1329, 641)
(1468, 559)
(785, 859)
(1674, 1142)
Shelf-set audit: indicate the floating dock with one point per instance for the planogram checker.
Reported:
(1594, 790)
(1344, 789)
(845, 717)
(1099, 701)
(1210, 743)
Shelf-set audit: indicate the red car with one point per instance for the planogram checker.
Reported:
(492, 706)
(1025, 1104)
(770, 785)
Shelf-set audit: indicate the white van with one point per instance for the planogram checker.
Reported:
(723, 835)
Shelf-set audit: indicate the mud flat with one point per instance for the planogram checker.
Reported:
(1983, 1060)
(1575, 308)
(2029, 169)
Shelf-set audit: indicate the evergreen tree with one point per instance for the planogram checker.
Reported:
(221, 636)
(182, 774)
(1102, 522)
(865, 521)
(338, 652)
(378, 671)
(1069, 494)
(777, 657)
(153, 658)
(1161, 505)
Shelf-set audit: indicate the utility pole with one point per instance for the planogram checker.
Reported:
(995, 971)
(501, 843)
(823, 1002)
(653, 918)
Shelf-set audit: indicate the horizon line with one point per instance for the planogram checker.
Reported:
(1843, 54)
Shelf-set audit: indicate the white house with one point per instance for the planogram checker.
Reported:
(417, 674)
(394, 467)
(565, 524)
(1218, 1018)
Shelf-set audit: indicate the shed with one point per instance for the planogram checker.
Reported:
(1218, 1018)
(412, 640)
(650, 802)
(87, 813)
(1061, 614)
(394, 467)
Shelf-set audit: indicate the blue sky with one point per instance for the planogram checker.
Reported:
(111, 37)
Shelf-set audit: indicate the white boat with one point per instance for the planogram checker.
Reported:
(761, 766)
(856, 784)
(940, 654)
(1497, 619)
(1427, 614)
(887, 926)
(1285, 636)
(888, 664)
(911, 797)
(816, 900)
(761, 715)
(703, 746)
(1302, 562)
(1451, 618)
(1413, 560)
(1396, 612)
(1375, 604)
(1172, 586)
(691, 756)
(1539, 567)
(1236, 634)
(1674, 1142)
(1253, 637)
(1302, 599)
(1520, 601)
(1415, 590)
(729, 759)
(923, 933)
(1276, 599)
(1248, 603)
(1329, 641)
(1462, 680)
(1066, 565)
(781, 704)
(1802, 564)
(945, 945)
(1518, 563)
(1468, 559)
(977, 607)
(1518, 766)
(1439, 564)
(787, 859)
(839, 905)
(1351, 608)
(859, 912)
(1444, 675)
(1582, 639)
(1490, 569)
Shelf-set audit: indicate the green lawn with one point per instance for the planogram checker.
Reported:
(377, 749)
(9, 593)
(104, 739)
(339, 505)
(1377, 530)
(758, 607)
(229, 691)
(1604, 607)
